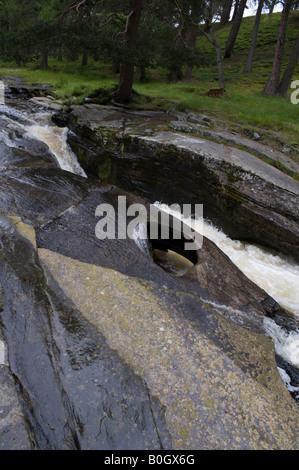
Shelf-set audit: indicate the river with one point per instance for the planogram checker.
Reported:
(277, 275)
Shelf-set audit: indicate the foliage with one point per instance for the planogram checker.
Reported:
(243, 103)
(162, 48)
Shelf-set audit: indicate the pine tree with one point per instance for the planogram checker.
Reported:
(250, 57)
(235, 29)
(273, 81)
(284, 84)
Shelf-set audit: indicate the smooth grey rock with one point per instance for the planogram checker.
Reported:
(14, 433)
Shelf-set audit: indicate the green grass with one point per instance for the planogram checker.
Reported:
(68, 79)
(244, 104)
(246, 107)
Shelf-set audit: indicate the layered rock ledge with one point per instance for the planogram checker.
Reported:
(139, 152)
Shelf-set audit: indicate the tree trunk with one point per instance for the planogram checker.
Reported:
(44, 61)
(84, 59)
(250, 57)
(141, 73)
(115, 67)
(188, 73)
(209, 13)
(237, 2)
(234, 29)
(191, 37)
(17, 57)
(272, 83)
(219, 57)
(225, 15)
(125, 86)
(271, 7)
(284, 84)
(175, 75)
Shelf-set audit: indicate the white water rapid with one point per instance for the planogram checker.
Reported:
(56, 139)
(2, 353)
(39, 126)
(277, 275)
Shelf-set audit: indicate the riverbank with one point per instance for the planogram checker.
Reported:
(217, 120)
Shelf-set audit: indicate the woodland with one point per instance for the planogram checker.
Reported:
(137, 35)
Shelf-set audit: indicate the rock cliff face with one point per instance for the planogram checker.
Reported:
(139, 152)
(106, 350)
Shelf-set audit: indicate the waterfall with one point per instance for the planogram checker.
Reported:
(41, 128)
(56, 139)
(286, 344)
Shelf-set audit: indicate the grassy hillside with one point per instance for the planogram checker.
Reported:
(265, 46)
(243, 104)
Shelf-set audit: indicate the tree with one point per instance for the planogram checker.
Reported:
(270, 5)
(180, 42)
(129, 38)
(212, 10)
(179, 48)
(191, 37)
(273, 81)
(45, 32)
(17, 20)
(250, 57)
(226, 10)
(82, 35)
(124, 91)
(234, 29)
(195, 15)
(284, 84)
(171, 54)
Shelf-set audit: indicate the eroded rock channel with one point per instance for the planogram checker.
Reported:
(104, 349)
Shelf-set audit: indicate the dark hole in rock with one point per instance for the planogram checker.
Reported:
(168, 248)
(172, 262)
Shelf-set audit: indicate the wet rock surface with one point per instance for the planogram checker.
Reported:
(17, 88)
(76, 391)
(13, 430)
(106, 350)
(249, 199)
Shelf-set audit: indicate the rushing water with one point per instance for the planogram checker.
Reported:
(2, 353)
(40, 127)
(277, 275)
(56, 139)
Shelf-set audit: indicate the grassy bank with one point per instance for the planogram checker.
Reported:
(243, 103)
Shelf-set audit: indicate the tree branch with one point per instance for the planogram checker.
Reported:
(111, 16)
(73, 6)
